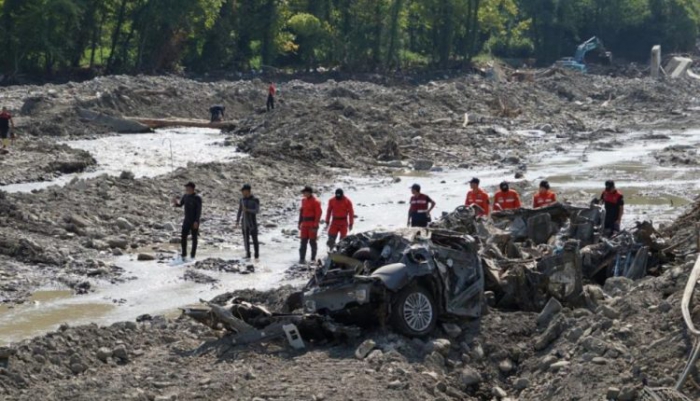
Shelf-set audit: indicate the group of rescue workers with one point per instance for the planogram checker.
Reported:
(340, 215)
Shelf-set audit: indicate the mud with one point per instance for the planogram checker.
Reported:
(318, 134)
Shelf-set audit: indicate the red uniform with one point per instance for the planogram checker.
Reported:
(544, 199)
(309, 217)
(271, 90)
(480, 198)
(506, 200)
(343, 216)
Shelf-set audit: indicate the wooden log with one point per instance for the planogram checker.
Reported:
(155, 123)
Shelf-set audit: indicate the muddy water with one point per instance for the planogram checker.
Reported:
(576, 174)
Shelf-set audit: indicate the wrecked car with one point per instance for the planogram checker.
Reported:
(410, 279)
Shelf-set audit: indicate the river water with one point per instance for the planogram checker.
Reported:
(576, 174)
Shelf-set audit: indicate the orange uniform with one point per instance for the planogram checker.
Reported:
(507, 200)
(544, 199)
(309, 216)
(480, 198)
(343, 215)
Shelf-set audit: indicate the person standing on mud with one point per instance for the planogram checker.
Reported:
(478, 197)
(544, 197)
(309, 218)
(506, 198)
(271, 91)
(341, 211)
(217, 113)
(421, 206)
(6, 122)
(248, 209)
(192, 203)
(614, 208)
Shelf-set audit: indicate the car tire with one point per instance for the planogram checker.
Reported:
(414, 312)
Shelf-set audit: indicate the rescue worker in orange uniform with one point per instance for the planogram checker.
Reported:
(309, 217)
(478, 197)
(544, 197)
(341, 211)
(506, 198)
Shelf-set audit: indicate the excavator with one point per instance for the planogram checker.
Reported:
(578, 62)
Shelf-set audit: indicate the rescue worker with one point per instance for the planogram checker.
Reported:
(421, 206)
(614, 208)
(217, 113)
(478, 197)
(309, 217)
(506, 198)
(192, 203)
(248, 209)
(544, 197)
(343, 216)
(6, 122)
(271, 91)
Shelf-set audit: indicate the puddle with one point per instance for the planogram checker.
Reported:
(656, 193)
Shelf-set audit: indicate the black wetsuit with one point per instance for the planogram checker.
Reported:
(217, 113)
(193, 212)
(250, 223)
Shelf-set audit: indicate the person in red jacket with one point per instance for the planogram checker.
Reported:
(478, 197)
(271, 91)
(309, 216)
(544, 197)
(341, 211)
(421, 206)
(506, 198)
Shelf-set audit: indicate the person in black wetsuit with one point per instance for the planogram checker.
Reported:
(192, 203)
(217, 113)
(248, 208)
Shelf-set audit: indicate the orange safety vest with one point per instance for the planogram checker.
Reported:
(479, 198)
(507, 200)
(544, 199)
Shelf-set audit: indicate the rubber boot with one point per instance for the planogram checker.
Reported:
(302, 251)
(314, 248)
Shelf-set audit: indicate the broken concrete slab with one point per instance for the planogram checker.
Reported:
(550, 310)
(677, 66)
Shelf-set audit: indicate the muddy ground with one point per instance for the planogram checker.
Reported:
(319, 132)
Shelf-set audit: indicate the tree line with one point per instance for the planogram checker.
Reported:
(50, 37)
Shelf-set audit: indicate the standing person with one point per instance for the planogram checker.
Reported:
(6, 122)
(248, 209)
(193, 212)
(478, 197)
(506, 198)
(614, 208)
(421, 206)
(309, 217)
(544, 197)
(271, 91)
(341, 211)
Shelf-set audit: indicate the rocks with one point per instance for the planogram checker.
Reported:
(555, 329)
(120, 352)
(452, 330)
(506, 366)
(124, 224)
(469, 376)
(422, 165)
(127, 175)
(145, 257)
(617, 285)
(612, 393)
(365, 348)
(120, 243)
(610, 312)
(499, 393)
(552, 307)
(104, 354)
(521, 383)
(559, 365)
(78, 368)
(440, 345)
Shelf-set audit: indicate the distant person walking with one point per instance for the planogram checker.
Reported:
(614, 208)
(192, 203)
(6, 123)
(421, 206)
(309, 218)
(271, 92)
(248, 209)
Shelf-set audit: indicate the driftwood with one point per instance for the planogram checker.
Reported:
(155, 123)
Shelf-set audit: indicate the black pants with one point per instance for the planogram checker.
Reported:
(419, 220)
(302, 249)
(270, 102)
(247, 235)
(186, 230)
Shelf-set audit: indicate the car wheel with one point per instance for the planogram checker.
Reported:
(414, 312)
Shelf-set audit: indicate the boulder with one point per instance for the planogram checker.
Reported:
(549, 311)
(144, 257)
(365, 348)
(469, 376)
(124, 224)
(422, 165)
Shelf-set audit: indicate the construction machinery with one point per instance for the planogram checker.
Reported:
(578, 62)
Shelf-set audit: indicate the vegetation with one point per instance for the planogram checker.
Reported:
(48, 37)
